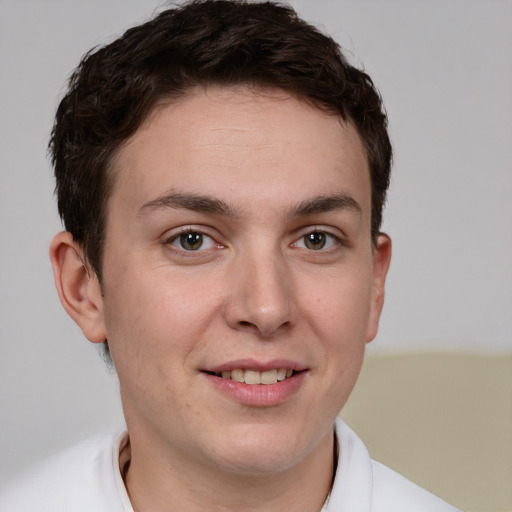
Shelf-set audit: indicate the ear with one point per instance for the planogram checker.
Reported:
(78, 286)
(381, 261)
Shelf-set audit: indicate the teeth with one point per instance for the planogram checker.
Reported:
(253, 377)
(237, 375)
(281, 374)
(269, 377)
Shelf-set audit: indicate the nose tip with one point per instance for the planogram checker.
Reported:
(261, 298)
(265, 324)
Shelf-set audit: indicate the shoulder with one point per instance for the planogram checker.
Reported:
(392, 491)
(365, 485)
(81, 478)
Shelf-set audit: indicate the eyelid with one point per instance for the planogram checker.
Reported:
(174, 235)
(335, 239)
(339, 240)
(334, 232)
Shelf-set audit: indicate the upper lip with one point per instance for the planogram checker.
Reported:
(257, 366)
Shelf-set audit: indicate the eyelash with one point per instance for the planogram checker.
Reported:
(335, 241)
(177, 237)
(329, 239)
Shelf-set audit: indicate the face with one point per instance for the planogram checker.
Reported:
(239, 251)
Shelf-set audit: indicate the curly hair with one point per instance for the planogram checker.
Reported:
(200, 43)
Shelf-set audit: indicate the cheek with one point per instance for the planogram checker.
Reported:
(339, 311)
(341, 319)
(155, 315)
(339, 316)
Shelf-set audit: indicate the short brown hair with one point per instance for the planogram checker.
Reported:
(200, 43)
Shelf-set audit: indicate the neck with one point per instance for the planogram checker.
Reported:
(175, 482)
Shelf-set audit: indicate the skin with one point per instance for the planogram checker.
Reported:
(254, 290)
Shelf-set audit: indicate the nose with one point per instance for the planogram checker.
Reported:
(261, 295)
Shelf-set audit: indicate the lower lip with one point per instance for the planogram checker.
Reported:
(258, 395)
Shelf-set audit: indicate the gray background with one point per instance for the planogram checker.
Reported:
(445, 71)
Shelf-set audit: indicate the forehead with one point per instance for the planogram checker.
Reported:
(243, 145)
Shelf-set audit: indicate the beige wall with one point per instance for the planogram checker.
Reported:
(443, 420)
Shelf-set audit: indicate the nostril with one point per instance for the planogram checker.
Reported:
(246, 326)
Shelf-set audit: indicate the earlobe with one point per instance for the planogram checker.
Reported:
(381, 262)
(78, 287)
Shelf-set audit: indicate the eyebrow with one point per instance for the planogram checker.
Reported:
(323, 204)
(195, 202)
(208, 204)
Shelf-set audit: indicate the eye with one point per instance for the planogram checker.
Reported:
(192, 241)
(317, 240)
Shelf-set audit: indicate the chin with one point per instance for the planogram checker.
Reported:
(263, 461)
(264, 449)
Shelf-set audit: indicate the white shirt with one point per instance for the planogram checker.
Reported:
(87, 478)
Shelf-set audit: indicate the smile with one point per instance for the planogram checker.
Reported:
(253, 377)
(258, 384)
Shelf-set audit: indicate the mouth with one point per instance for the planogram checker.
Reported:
(254, 377)
(258, 384)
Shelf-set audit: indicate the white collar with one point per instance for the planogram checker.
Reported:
(121, 443)
(352, 488)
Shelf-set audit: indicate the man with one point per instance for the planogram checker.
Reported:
(221, 172)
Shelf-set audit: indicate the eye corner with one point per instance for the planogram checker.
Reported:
(317, 239)
(190, 241)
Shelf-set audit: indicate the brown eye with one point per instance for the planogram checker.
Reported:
(315, 240)
(192, 241)
(320, 241)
